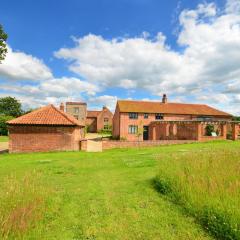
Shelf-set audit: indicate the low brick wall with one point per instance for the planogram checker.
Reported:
(83, 145)
(132, 144)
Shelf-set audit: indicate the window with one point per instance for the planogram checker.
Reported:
(159, 116)
(204, 118)
(133, 115)
(145, 115)
(76, 110)
(105, 119)
(132, 129)
(76, 116)
(105, 127)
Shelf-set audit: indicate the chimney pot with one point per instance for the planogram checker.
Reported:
(62, 107)
(164, 98)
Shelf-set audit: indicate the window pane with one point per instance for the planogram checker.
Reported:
(133, 115)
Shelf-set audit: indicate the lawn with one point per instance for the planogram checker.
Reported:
(109, 195)
(3, 138)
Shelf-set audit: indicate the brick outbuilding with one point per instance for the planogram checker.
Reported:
(43, 130)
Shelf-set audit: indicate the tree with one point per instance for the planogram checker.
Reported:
(3, 124)
(10, 106)
(3, 45)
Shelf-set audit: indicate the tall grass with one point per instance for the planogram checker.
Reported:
(207, 185)
(22, 204)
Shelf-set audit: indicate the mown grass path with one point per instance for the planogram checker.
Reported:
(105, 195)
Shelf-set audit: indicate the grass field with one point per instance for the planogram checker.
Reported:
(107, 195)
(3, 138)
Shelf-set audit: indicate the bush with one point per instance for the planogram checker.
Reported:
(209, 129)
(3, 124)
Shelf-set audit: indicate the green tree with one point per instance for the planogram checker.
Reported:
(10, 106)
(3, 124)
(3, 45)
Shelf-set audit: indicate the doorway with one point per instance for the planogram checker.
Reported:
(145, 132)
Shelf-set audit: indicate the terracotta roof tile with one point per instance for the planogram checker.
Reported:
(170, 108)
(48, 115)
(93, 114)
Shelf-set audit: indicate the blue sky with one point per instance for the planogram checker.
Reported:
(101, 50)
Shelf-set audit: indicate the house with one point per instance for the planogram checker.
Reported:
(76, 109)
(99, 120)
(45, 129)
(132, 116)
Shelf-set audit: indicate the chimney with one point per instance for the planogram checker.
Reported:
(104, 108)
(62, 107)
(164, 98)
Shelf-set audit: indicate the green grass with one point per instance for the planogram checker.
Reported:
(3, 138)
(206, 183)
(109, 195)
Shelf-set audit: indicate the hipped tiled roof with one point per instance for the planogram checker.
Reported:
(169, 108)
(48, 115)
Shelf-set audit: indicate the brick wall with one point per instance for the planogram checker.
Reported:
(43, 138)
(121, 122)
(133, 144)
(100, 119)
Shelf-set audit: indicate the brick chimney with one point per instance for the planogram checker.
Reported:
(164, 98)
(104, 108)
(62, 107)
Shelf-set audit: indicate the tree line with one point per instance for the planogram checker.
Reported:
(10, 108)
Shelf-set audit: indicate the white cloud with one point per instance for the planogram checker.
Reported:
(208, 63)
(205, 67)
(211, 55)
(50, 91)
(104, 100)
(21, 66)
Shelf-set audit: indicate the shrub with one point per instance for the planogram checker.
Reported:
(209, 129)
(3, 124)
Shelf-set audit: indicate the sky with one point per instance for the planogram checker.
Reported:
(99, 51)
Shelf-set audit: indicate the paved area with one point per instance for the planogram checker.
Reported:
(94, 146)
(95, 135)
(3, 147)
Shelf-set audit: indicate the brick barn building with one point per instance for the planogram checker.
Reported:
(130, 116)
(98, 120)
(45, 129)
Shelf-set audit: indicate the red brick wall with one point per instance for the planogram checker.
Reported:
(43, 138)
(100, 119)
(116, 123)
(125, 122)
(121, 122)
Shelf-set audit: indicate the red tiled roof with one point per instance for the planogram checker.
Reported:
(170, 108)
(93, 114)
(48, 115)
